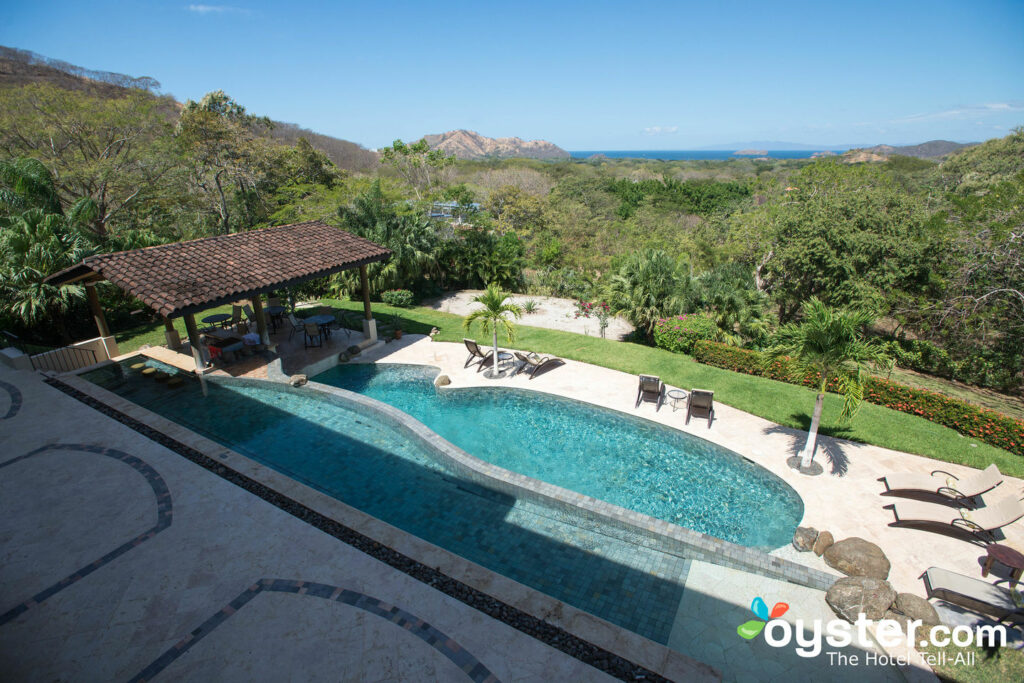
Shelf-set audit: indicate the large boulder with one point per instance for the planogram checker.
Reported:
(823, 542)
(857, 557)
(803, 539)
(442, 381)
(852, 595)
(298, 380)
(915, 607)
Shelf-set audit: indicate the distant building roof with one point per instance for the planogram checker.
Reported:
(188, 277)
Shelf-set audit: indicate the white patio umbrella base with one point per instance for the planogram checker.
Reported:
(489, 374)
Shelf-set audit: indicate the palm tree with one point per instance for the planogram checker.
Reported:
(830, 343)
(650, 285)
(493, 315)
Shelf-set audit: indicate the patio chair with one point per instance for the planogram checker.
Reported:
(475, 353)
(274, 301)
(341, 322)
(974, 594)
(701, 403)
(250, 316)
(943, 483)
(314, 335)
(651, 388)
(536, 363)
(236, 317)
(980, 522)
(296, 325)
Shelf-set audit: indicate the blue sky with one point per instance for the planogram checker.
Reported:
(587, 76)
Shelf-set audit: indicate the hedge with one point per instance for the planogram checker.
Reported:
(985, 425)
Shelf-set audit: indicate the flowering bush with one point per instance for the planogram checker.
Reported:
(400, 298)
(600, 310)
(985, 425)
(680, 333)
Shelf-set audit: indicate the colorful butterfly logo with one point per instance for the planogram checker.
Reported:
(753, 627)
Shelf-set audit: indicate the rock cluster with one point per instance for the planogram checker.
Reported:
(298, 380)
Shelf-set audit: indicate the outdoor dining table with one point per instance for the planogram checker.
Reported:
(217, 318)
(322, 321)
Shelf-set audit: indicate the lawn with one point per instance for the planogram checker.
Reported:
(1002, 664)
(785, 404)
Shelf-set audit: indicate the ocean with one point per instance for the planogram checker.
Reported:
(693, 155)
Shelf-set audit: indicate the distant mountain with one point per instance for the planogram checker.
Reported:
(934, 149)
(21, 67)
(468, 144)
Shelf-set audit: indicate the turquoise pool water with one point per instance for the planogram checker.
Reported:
(631, 462)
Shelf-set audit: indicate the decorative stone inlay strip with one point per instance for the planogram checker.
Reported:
(522, 621)
(163, 519)
(16, 400)
(447, 646)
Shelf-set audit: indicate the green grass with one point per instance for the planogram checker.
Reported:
(1005, 664)
(785, 404)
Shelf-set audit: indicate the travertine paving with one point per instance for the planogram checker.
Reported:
(120, 559)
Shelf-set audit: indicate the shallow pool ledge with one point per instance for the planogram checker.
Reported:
(666, 535)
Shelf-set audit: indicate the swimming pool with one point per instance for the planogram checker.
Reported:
(630, 462)
(373, 466)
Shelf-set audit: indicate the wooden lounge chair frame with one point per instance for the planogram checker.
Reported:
(475, 352)
(982, 523)
(651, 388)
(536, 363)
(948, 486)
(974, 594)
(700, 403)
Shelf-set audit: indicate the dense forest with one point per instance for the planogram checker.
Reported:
(933, 250)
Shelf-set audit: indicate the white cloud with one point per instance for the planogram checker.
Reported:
(216, 9)
(661, 130)
(964, 112)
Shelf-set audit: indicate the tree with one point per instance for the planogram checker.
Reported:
(650, 285)
(419, 165)
(515, 210)
(828, 344)
(220, 140)
(845, 234)
(110, 150)
(34, 245)
(411, 238)
(493, 315)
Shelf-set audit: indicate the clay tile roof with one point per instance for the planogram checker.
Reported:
(187, 277)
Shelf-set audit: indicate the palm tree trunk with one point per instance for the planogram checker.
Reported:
(812, 435)
(495, 350)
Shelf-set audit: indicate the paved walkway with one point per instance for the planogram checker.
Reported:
(120, 559)
(845, 500)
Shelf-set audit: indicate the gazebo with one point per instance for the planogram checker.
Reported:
(184, 278)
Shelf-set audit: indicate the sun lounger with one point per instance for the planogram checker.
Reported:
(536, 363)
(981, 522)
(944, 484)
(476, 355)
(651, 389)
(701, 404)
(974, 594)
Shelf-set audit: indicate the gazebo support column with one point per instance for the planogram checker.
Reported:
(107, 339)
(171, 335)
(261, 320)
(369, 324)
(193, 340)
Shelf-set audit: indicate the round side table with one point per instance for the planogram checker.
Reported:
(1005, 555)
(676, 396)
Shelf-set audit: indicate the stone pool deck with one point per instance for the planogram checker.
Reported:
(845, 499)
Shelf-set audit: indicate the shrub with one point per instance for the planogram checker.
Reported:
(680, 333)
(985, 425)
(400, 298)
